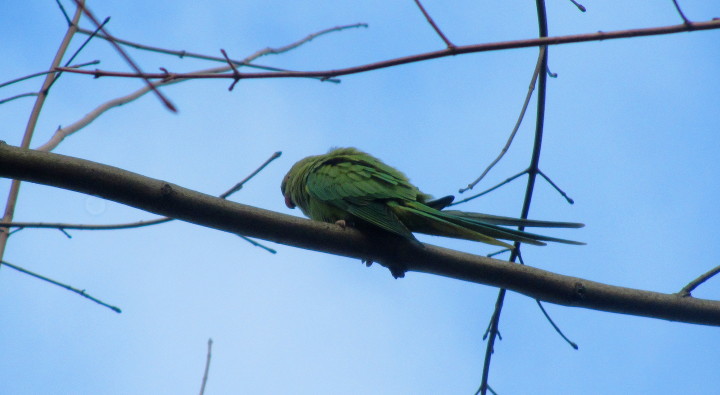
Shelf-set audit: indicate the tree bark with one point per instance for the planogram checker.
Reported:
(171, 200)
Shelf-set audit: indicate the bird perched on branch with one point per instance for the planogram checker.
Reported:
(350, 187)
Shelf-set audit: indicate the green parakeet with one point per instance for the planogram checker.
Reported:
(349, 187)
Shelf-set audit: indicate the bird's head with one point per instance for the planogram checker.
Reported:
(285, 192)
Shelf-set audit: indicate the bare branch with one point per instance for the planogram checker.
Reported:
(579, 6)
(485, 192)
(207, 366)
(80, 292)
(32, 122)
(62, 225)
(240, 184)
(128, 59)
(557, 188)
(163, 198)
(233, 68)
(308, 38)
(33, 75)
(557, 329)
(247, 61)
(695, 283)
(682, 15)
(535, 42)
(20, 96)
(434, 26)
(531, 88)
(169, 78)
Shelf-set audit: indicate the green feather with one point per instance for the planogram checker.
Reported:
(351, 186)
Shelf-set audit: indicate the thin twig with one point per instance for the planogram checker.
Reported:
(235, 71)
(557, 329)
(434, 25)
(31, 94)
(557, 188)
(65, 14)
(247, 61)
(308, 38)
(124, 55)
(505, 149)
(207, 366)
(81, 47)
(695, 283)
(579, 6)
(493, 333)
(58, 225)
(682, 15)
(496, 46)
(507, 180)
(20, 96)
(80, 292)
(33, 75)
(240, 184)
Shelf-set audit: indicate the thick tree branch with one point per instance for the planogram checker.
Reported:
(163, 198)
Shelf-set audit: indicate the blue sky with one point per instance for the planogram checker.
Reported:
(631, 135)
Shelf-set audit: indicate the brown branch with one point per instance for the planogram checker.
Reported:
(32, 122)
(137, 224)
(432, 23)
(163, 198)
(123, 54)
(496, 46)
(33, 75)
(695, 283)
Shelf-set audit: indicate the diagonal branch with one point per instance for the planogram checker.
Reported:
(163, 198)
(32, 123)
(432, 23)
(80, 292)
(510, 139)
(123, 54)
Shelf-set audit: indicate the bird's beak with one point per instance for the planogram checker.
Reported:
(289, 202)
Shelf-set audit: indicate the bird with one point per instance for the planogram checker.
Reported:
(349, 187)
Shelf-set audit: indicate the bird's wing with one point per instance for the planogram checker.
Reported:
(362, 188)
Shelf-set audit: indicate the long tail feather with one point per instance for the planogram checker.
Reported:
(509, 221)
(424, 219)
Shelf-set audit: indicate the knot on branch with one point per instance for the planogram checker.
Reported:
(580, 291)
